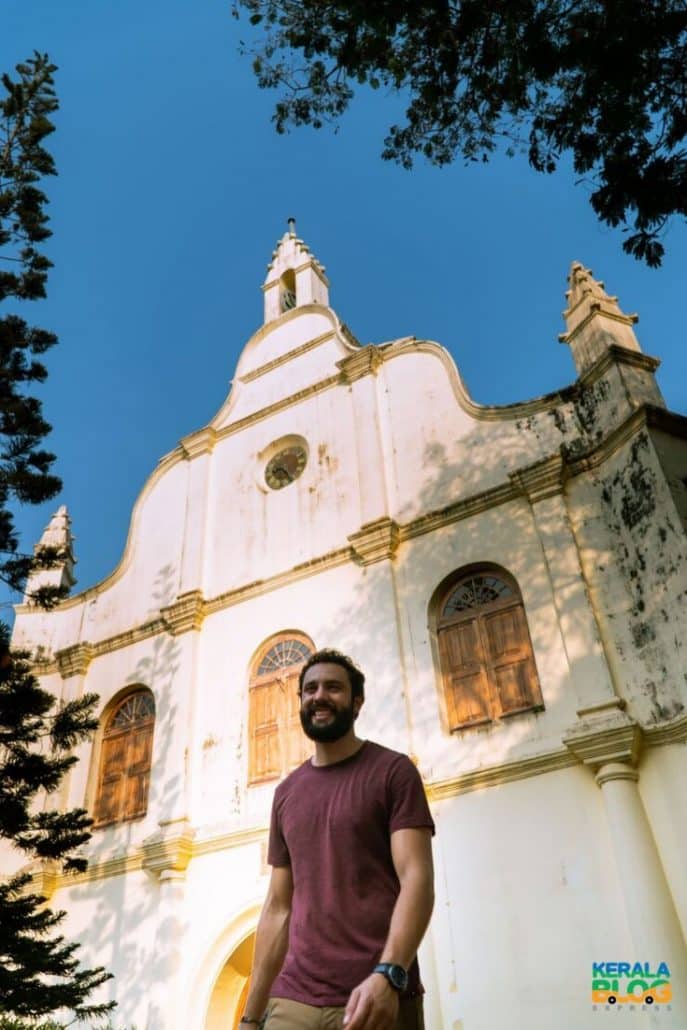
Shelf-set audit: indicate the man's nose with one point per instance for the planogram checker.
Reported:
(321, 694)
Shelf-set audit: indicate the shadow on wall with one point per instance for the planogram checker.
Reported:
(122, 902)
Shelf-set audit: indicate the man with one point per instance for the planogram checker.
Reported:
(351, 890)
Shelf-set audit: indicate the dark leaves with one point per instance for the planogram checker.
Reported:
(605, 80)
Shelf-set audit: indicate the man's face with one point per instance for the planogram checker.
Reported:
(327, 708)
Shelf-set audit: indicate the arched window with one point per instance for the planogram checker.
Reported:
(287, 290)
(125, 758)
(277, 743)
(487, 665)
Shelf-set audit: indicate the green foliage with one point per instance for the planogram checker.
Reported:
(40, 975)
(603, 80)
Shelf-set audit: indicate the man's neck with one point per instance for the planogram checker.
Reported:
(337, 750)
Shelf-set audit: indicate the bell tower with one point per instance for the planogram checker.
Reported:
(294, 277)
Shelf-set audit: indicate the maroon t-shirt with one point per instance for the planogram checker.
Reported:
(332, 824)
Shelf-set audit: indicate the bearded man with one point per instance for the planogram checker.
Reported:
(351, 889)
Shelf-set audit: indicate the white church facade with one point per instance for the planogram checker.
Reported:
(512, 581)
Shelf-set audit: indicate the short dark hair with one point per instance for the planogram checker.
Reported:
(328, 654)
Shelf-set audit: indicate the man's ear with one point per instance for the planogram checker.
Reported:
(358, 703)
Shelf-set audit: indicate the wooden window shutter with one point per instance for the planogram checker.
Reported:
(298, 746)
(485, 652)
(276, 742)
(465, 674)
(510, 659)
(112, 779)
(263, 730)
(125, 760)
(138, 771)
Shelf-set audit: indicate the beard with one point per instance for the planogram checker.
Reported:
(326, 733)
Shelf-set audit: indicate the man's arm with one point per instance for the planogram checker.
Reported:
(373, 1005)
(271, 940)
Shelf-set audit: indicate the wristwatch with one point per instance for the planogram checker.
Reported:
(396, 975)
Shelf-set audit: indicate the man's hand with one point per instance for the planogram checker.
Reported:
(373, 1005)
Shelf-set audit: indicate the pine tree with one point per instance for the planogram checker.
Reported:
(40, 975)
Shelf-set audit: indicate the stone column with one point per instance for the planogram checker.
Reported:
(608, 741)
(166, 855)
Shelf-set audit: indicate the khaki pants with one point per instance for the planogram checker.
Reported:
(283, 1014)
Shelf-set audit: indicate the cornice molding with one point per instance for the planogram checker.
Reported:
(285, 402)
(74, 660)
(365, 362)
(45, 878)
(597, 307)
(200, 442)
(648, 416)
(480, 412)
(462, 509)
(231, 839)
(263, 586)
(168, 851)
(617, 355)
(605, 734)
(269, 366)
(542, 479)
(187, 613)
(672, 732)
(375, 541)
(495, 775)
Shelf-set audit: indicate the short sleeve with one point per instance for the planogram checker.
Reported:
(408, 808)
(277, 851)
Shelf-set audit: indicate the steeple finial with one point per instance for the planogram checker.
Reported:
(292, 226)
(594, 320)
(57, 536)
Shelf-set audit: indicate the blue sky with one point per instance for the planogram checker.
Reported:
(173, 189)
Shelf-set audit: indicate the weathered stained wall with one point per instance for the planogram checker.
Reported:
(580, 496)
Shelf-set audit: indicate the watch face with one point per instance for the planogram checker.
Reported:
(398, 977)
(284, 467)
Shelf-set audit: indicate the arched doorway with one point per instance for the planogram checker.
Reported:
(230, 988)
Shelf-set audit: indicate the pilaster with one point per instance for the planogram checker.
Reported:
(166, 855)
(543, 485)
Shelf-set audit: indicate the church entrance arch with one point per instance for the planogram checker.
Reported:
(219, 985)
(231, 987)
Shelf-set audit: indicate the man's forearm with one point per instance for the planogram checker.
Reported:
(271, 941)
(409, 919)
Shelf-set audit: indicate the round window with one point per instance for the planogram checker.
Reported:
(285, 466)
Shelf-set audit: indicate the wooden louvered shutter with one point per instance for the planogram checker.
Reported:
(509, 656)
(112, 779)
(138, 771)
(464, 671)
(298, 746)
(263, 730)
